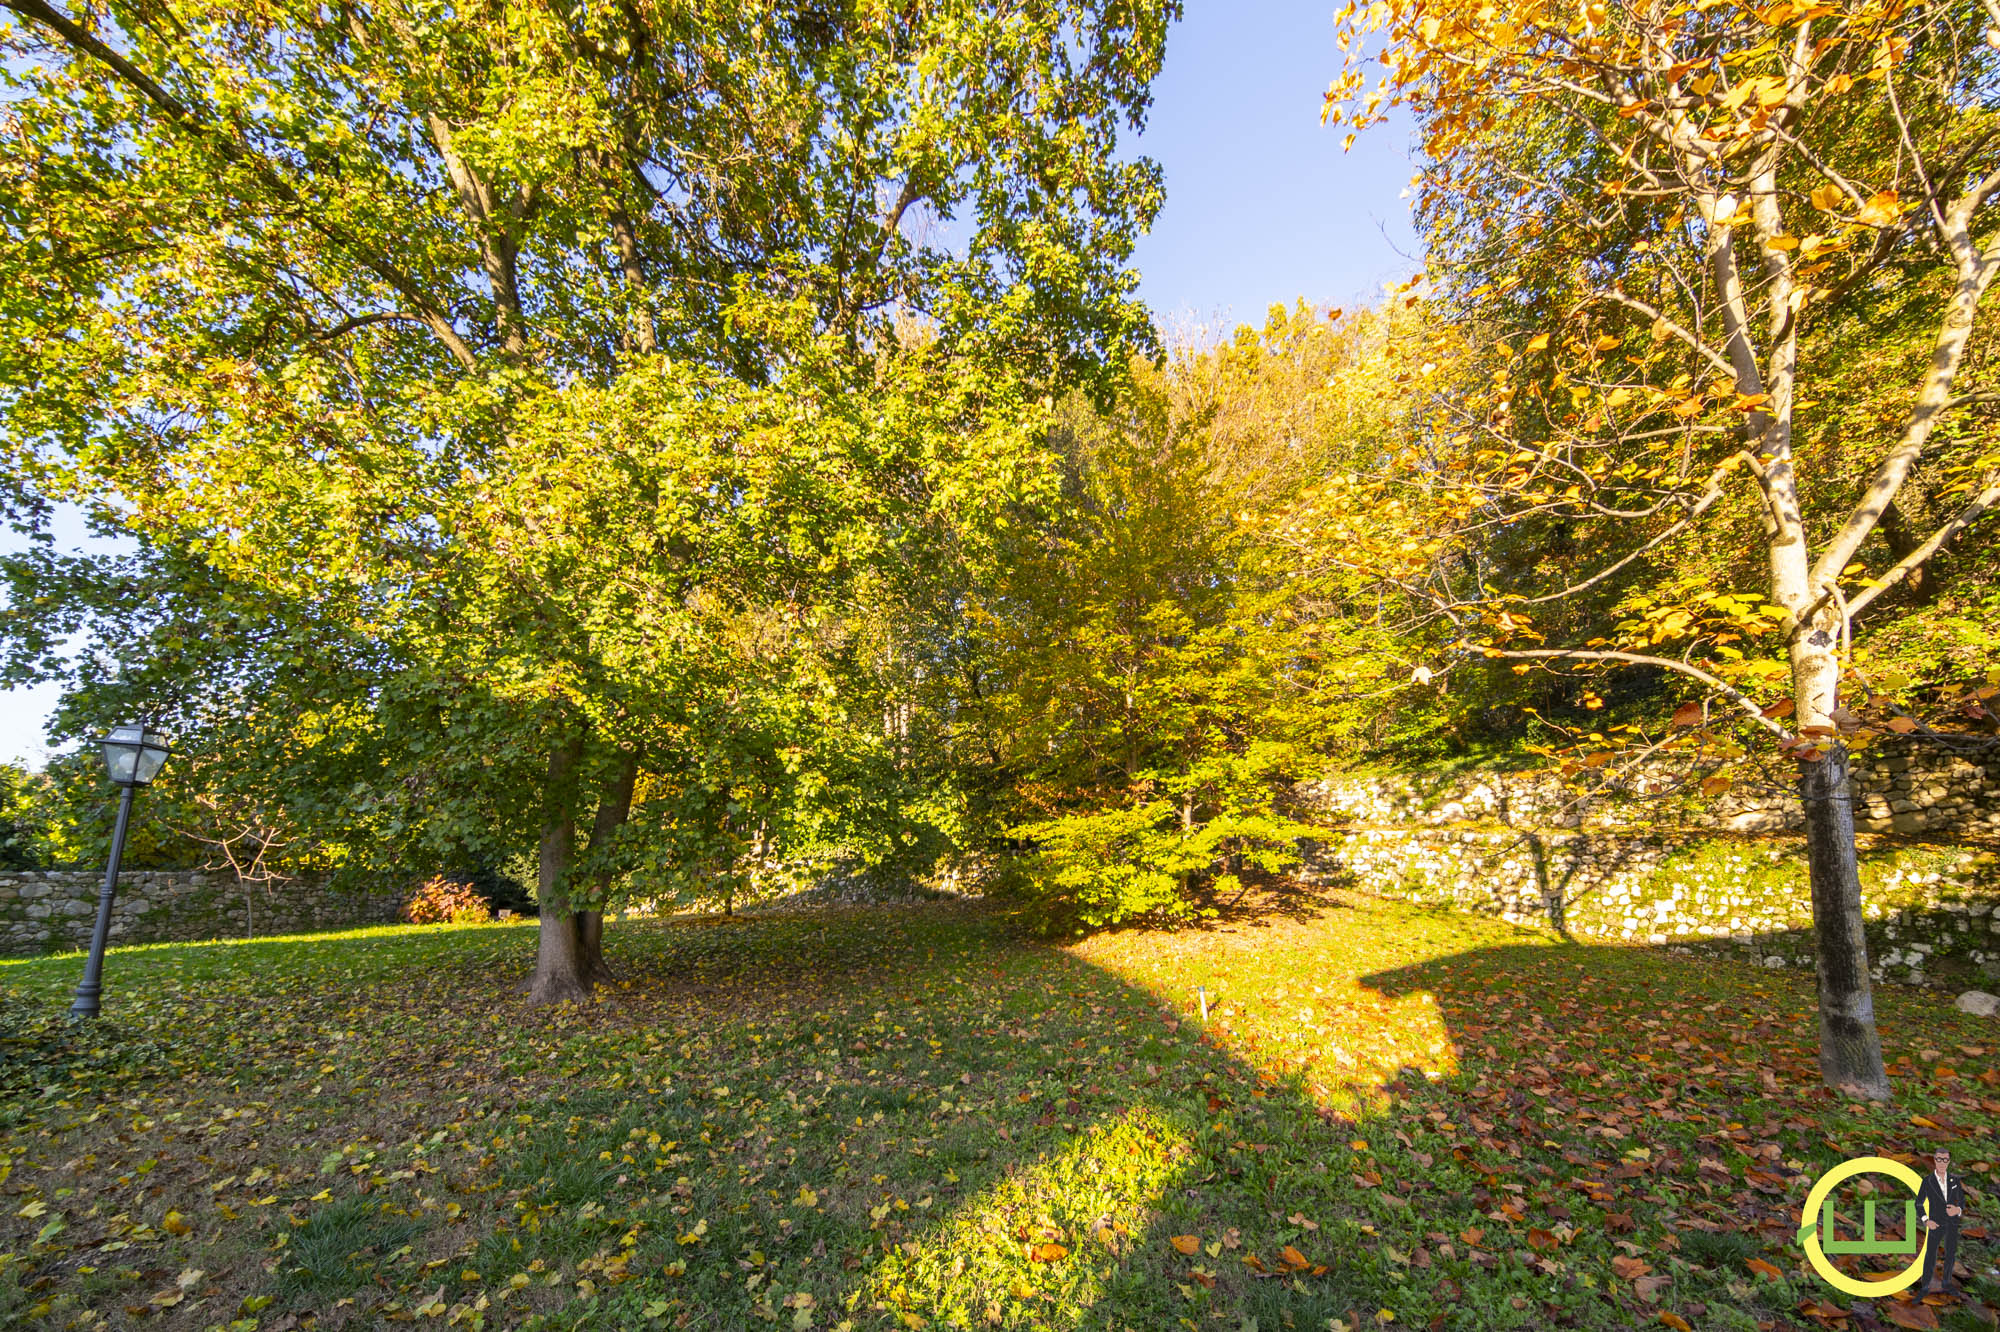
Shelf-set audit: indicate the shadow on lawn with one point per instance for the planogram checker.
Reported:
(987, 1138)
(1015, 1138)
(1718, 1057)
(900, 1121)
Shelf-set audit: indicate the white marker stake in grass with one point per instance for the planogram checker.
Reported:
(1202, 992)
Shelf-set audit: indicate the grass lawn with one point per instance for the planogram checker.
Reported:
(916, 1117)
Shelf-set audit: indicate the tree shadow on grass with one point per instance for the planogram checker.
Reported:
(987, 1133)
(1684, 1090)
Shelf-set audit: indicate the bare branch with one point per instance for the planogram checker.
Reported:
(347, 326)
(1702, 506)
(1954, 332)
(1714, 357)
(1729, 691)
(1902, 569)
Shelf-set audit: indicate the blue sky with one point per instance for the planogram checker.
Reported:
(1262, 205)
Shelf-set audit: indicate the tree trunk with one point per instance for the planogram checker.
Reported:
(590, 945)
(1917, 589)
(559, 970)
(614, 806)
(1850, 1051)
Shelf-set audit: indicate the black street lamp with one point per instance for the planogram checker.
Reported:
(133, 755)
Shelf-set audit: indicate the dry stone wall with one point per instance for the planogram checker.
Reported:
(44, 911)
(1639, 864)
(1903, 790)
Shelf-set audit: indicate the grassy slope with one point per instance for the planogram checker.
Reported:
(912, 1117)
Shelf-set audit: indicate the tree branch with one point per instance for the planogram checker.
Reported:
(1954, 332)
(1714, 357)
(1729, 691)
(1902, 569)
(176, 111)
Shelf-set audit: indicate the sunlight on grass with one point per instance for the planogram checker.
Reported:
(403, 933)
(1043, 1243)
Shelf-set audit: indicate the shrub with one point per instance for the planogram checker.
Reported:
(439, 899)
(1139, 862)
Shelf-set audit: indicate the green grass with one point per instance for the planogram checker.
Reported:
(916, 1117)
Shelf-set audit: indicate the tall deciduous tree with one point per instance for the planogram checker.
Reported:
(1660, 206)
(370, 309)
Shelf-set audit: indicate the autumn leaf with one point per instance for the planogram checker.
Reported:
(1880, 211)
(1688, 714)
(1764, 1269)
(1630, 1268)
(1047, 1253)
(1920, 1316)
(1292, 1258)
(1674, 1321)
(1187, 1244)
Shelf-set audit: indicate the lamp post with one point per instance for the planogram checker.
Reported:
(133, 755)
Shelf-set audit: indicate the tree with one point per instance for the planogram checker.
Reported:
(1165, 656)
(310, 292)
(1666, 213)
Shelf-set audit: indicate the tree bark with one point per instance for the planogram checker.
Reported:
(559, 970)
(1917, 587)
(1850, 1051)
(590, 945)
(614, 806)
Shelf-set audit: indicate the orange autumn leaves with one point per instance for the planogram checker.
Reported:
(1289, 1261)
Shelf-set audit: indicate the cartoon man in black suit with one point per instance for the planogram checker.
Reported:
(1942, 1201)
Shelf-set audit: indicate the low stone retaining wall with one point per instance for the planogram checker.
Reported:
(1902, 788)
(1629, 864)
(43, 911)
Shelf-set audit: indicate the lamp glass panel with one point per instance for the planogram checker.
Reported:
(151, 758)
(122, 760)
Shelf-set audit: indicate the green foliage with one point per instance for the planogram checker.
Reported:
(1105, 868)
(466, 459)
(1152, 862)
(23, 818)
(1168, 657)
